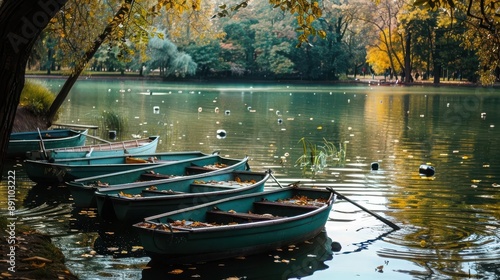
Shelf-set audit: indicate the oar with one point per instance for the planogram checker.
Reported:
(93, 137)
(42, 145)
(387, 222)
(276, 180)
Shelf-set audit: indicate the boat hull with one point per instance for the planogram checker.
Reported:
(22, 142)
(133, 147)
(171, 244)
(62, 170)
(83, 190)
(183, 192)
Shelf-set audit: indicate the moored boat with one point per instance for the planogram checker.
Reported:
(22, 142)
(236, 226)
(61, 170)
(135, 201)
(83, 190)
(146, 145)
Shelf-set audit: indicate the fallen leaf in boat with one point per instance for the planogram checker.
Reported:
(37, 259)
(176, 271)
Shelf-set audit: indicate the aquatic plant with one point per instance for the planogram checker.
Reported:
(36, 97)
(316, 158)
(111, 120)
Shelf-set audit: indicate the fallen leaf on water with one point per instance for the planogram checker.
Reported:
(176, 271)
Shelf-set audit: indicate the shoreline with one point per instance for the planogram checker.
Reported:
(376, 81)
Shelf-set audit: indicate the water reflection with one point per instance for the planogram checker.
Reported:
(295, 261)
(449, 221)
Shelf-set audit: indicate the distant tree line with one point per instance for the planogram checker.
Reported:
(392, 38)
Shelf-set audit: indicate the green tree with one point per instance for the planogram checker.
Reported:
(206, 57)
(22, 21)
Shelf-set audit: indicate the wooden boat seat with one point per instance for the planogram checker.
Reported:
(224, 217)
(282, 209)
(199, 188)
(193, 169)
(151, 176)
(160, 192)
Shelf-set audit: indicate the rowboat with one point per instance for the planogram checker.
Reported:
(134, 146)
(22, 142)
(133, 202)
(237, 226)
(83, 190)
(61, 170)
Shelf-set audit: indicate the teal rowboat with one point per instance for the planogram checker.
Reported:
(61, 170)
(134, 202)
(237, 226)
(22, 142)
(83, 190)
(129, 147)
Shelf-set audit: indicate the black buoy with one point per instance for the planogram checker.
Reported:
(374, 165)
(426, 170)
(336, 247)
(112, 134)
(221, 134)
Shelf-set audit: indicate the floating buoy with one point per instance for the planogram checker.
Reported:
(156, 109)
(374, 165)
(221, 134)
(336, 247)
(426, 170)
(216, 110)
(227, 112)
(280, 121)
(112, 134)
(200, 109)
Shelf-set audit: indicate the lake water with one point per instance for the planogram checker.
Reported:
(449, 222)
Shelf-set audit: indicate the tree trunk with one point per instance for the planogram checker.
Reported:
(80, 66)
(21, 23)
(407, 59)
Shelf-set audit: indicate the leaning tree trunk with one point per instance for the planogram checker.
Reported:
(21, 22)
(89, 54)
